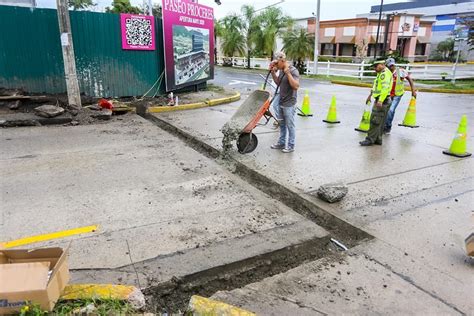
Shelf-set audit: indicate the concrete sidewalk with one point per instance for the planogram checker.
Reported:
(416, 201)
(177, 210)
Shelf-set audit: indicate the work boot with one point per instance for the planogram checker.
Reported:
(366, 142)
(277, 146)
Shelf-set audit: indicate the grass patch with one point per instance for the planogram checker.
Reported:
(97, 307)
(214, 88)
(462, 84)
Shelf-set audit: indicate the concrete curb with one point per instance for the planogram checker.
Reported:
(435, 90)
(192, 106)
(199, 305)
(104, 292)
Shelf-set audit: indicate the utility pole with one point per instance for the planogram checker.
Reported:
(378, 30)
(316, 38)
(150, 7)
(387, 27)
(458, 45)
(72, 85)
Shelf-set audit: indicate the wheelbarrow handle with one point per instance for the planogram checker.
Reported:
(276, 89)
(266, 79)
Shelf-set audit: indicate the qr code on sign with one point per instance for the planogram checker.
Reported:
(138, 32)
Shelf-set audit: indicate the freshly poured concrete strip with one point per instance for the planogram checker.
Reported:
(407, 194)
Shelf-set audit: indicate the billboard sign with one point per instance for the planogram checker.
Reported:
(188, 35)
(138, 32)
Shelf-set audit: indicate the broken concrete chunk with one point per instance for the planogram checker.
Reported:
(332, 192)
(14, 105)
(105, 114)
(49, 110)
(93, 107)
(137, 299)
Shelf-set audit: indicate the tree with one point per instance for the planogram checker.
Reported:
(233, 40)
(218, 32)
(298, 46)
(122, 6)
(271, 20)
(80, 4)
(361, 49)
(468, 22)
(251, 26)
(156, 9)
(445, 49)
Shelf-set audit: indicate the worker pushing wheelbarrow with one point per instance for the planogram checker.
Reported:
(246, 118)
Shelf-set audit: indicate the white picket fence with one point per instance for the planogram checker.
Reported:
(364, 70)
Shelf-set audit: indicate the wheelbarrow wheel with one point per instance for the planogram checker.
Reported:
(247, 143)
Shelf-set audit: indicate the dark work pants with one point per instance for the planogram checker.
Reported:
(377, 120)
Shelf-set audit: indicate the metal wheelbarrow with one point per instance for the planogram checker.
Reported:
(247, 117)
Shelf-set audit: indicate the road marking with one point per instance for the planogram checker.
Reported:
(45, 237)
(234, 82)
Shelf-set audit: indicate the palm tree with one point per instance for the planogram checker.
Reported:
(218, 32)
(298, 46)
(272, 20)
(233, 40)
(251, 27)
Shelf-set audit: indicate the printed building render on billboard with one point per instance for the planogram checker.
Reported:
(188, 30)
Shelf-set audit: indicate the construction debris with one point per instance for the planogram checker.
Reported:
(332, 192)
(49, 110)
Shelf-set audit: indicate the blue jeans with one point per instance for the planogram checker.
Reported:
(391, 111)
(287, 125)
(276, 105)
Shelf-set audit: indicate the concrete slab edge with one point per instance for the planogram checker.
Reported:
(434, 90)
(320, 214)
(199, 305)
(192, 106)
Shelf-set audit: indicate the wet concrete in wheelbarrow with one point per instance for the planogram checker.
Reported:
(245, 114)
(174, 294)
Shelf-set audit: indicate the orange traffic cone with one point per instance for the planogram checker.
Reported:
(410, 116)
(458, 146)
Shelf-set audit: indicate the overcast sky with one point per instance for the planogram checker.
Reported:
(330, 9)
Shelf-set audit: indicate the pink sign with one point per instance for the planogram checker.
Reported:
(188, 36)
(138, 32)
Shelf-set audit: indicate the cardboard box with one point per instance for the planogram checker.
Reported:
(470, 245)
(38, 276)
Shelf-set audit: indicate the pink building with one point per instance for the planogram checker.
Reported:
(407, 34)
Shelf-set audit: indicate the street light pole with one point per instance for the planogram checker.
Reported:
(316, 38)
(453, 79)
(378, 30)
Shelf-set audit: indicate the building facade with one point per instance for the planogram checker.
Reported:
(446, 14)
(409, 35)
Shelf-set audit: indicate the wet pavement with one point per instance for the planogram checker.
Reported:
(155, 200)
(417, 202)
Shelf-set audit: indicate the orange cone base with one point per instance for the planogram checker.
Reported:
(361, 130)
(332, 122)
(412, 126)
(301, 114)
(447, 152)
